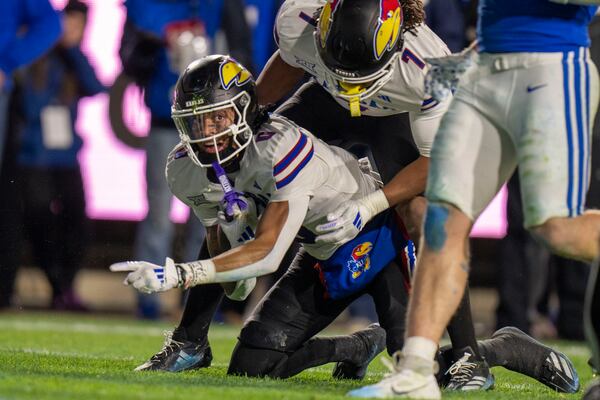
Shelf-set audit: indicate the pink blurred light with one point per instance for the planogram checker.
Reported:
(114, 173)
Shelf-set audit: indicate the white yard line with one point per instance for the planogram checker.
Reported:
(100, 329)
(45, 352)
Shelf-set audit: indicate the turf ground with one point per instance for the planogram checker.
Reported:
(53, 356)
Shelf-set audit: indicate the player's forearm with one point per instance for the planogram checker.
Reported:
(276, 80)
(407, 183)
(275, 233)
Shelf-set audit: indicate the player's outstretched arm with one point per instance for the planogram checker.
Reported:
(276, 80)
(276, 231)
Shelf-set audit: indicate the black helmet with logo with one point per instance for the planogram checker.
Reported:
(215, 109)
(357, 43)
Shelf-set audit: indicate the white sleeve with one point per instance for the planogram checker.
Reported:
(269, 264)
(424, 125)
(240, 290)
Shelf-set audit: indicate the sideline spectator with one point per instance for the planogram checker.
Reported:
(29, 29)
(52, 190)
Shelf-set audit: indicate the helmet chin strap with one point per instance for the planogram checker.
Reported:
(354, 91)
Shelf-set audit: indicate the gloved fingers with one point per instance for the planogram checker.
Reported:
(132, 277)
(336, 237)
(337, 213)
(141, 285)
(126, 266)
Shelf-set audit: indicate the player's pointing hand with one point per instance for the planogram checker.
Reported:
(149, 278)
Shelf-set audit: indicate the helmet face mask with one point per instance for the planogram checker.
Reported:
(215, 110)
(216, 132)
(347, 87)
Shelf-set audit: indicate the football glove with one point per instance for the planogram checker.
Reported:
(240, 228)
(348, 220)
(151, 278)
(445, 72)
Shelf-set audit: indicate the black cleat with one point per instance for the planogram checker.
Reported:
(530, 357)
(177, 356)
(469, 373)
(373, 338)
(593, 391)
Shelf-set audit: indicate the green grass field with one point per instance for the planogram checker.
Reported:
(53, 356)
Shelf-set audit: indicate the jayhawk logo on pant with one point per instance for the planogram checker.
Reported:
(388, 28)
(360, 261)
(325, 20)
(232, 72)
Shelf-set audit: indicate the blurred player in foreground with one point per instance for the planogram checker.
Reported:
(290, 179)
(529, 101)
(366, 59)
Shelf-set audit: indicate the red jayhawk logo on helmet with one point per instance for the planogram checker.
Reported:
(360, 261)
(388, 27)
(325, 20)
(232, 72)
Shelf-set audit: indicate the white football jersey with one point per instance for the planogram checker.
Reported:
(404, 92)
(283, 161)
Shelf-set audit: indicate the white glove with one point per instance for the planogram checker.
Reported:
(445, 72)
(241, 228)
(349, 219)
(150, 278)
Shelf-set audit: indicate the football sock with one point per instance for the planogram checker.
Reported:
(461, 330)
(200, 307)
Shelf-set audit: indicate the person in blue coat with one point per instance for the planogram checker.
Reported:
(29, 29)
(52, 191)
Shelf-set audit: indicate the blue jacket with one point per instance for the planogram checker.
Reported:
(446, 18)
(42, 30)
(60, 62)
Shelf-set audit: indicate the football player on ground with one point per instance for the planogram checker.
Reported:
(529, 100)
(292, 180)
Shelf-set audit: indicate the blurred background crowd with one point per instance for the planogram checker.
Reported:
(85, 130)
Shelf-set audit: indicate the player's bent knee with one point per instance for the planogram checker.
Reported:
(254, 362)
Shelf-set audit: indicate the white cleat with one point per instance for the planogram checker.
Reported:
(403, 383)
